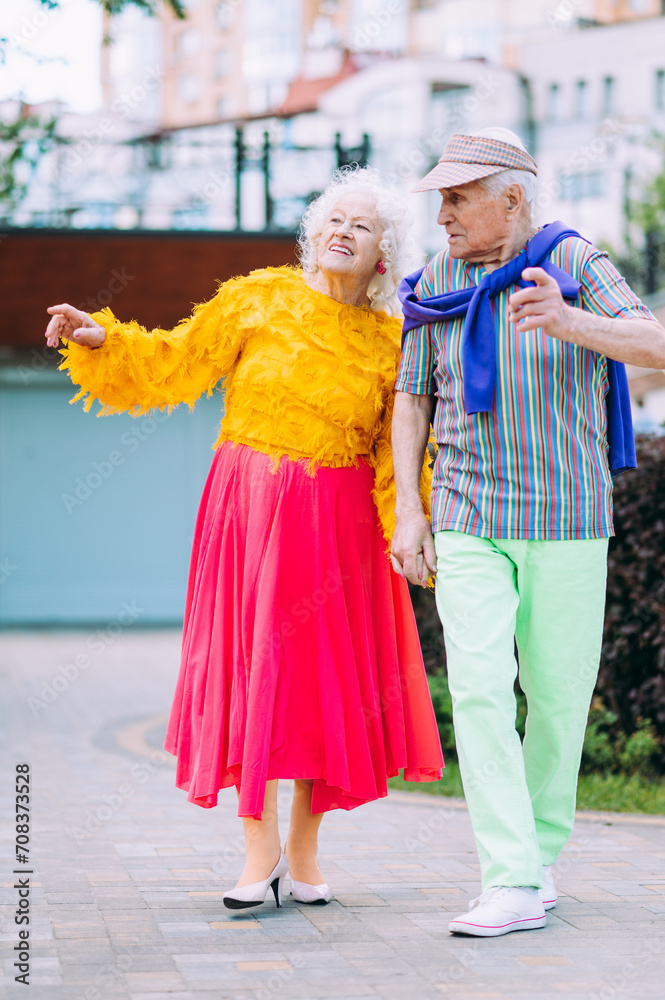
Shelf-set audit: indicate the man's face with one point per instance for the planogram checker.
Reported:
(477, 222)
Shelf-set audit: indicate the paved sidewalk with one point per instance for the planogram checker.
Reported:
(126, 897)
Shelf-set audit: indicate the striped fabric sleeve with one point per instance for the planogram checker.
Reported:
(416, 369)
(607, 293)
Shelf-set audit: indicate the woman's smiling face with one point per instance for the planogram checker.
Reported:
(349, 243)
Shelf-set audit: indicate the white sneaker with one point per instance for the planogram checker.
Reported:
(548, 894)
(500, 910)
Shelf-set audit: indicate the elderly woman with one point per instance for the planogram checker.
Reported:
(300, 654)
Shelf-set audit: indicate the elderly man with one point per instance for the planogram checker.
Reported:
(513, 338)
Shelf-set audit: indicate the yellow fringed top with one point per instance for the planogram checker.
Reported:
(305, 376)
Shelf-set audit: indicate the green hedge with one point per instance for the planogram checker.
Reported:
(626, 730)
(631, 684)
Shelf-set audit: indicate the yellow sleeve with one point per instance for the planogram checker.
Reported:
(381, 459)
(136, 370)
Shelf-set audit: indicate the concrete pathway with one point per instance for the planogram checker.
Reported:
(128, 877)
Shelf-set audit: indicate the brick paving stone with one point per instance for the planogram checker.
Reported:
(154, 980)
(127, 900)
(179, 995)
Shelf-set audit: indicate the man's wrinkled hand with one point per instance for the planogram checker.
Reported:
(540, 306)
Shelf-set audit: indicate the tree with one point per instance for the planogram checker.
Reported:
(24, 140)
(644, 217)
(22, 143)
(116, 6)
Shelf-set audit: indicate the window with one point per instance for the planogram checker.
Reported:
(450, 104)
(660, 89)
(574, 187)
(222, 63)
(223, 107)
(258, 98)
(188, 88)
(467, 41)
(554, 102)
(224, 16)
(581, 99)
(609, 93)
(187, 42)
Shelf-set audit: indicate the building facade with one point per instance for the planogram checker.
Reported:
(583, 81)
(598, 96)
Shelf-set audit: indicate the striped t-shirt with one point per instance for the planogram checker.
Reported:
(536, 466)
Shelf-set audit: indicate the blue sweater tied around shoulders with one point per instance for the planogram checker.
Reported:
(478, 340)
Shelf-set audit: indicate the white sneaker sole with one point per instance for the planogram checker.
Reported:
(548, 904)
(484, 930)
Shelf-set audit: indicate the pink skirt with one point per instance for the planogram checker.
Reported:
(300, 655)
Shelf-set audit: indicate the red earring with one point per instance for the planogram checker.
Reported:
(381, 267)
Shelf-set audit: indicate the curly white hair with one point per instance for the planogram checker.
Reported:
(399, 251)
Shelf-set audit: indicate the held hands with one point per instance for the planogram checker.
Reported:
(69, 323)
(540, 306)
(412, 550)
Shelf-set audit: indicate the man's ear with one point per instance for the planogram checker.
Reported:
(514, 199)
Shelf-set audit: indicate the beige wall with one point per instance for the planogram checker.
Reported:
(206, 62)
(203, 64)
(493, 29)
(213, 65)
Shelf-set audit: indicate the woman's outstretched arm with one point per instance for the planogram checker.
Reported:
(129, 368)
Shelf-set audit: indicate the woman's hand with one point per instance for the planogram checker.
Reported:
(69, 323)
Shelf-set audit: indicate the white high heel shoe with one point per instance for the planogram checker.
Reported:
(303, 892)
(255, 894)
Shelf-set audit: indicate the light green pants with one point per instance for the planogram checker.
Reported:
(549, 596)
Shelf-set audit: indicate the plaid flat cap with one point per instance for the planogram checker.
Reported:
(467, 158)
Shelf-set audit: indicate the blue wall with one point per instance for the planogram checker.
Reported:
(95, 512)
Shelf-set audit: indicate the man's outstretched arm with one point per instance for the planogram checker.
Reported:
(412, 549)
